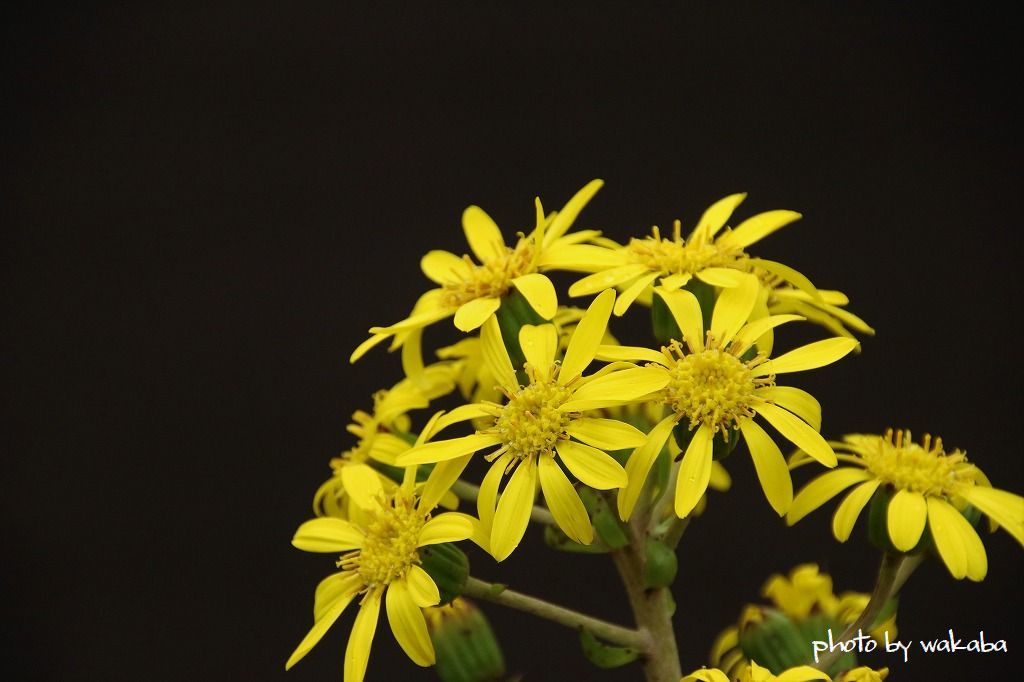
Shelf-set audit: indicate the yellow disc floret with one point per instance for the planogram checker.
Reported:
(494, 278)
(531, 423)
(924, 468)
(680, 257)
(711, 387)
(392, 535)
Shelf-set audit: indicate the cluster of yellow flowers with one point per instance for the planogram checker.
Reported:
(561, 408)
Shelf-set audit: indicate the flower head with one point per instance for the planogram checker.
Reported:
(472, 290)
(752, 672)
(929, 488)
(540, 427)
(380, 561)
(382, 435)
(716, 383)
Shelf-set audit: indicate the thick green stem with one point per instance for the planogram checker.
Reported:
(652, 608)
(609, 632)
(468, 492)
(893, 572)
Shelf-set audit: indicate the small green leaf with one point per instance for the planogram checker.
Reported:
(660, 565)
(605, 655)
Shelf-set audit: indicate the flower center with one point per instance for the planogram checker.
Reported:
(531, 423)
(492, 279)
(390, 547)
(926, 468)
(712, 387)
(679, 257)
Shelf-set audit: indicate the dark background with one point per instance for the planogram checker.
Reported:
(208, 207)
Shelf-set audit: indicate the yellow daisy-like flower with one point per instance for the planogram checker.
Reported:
(472, 291)
(929, 488)
(380, 561)
(755, 673)
(379, 440)
(541, 425)
(715, 389)
(709, 254)
(864, 674)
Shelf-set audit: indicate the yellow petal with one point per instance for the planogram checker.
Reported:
(798, 432)
(822, 489)
(440, 480)
(414, 321)
(717, 215)
(539, 343)
(850, 508)
(803, 673)
(462, 413)
(474, 313)
(443, 266)
(422, 587)
(513, 512)
(487, 497)
(694, 472)
(607, 434)
(905, 519)
(721, 277)
(799, 402)
(442, 450)
(333, 587)
(614, 353)
(565, 218)
(733, 308)
(706, 675)
(632, 292)
(756, 228)
(539, 292)
(606, 279)
(790, 275)
(587, 337)
(1001, 506)
(771, 467)
(330, 614)
(366, 345)
(755, 329)
(564, 502)
(363, 484)
(408, 624)
(579, 258)
(327, 535)
(958, 550)
(673, 282)
(811, 356)
(593, 467)
(686, 312)
(357, 653)
(446, 527)
(496, 356)
(616, 388)
(639, 465)
(482, 234)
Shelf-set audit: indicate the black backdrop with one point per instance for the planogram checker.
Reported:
(208, 208)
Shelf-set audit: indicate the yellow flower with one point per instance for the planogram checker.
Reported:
(541, 425)
(472, 291)
(864, 674)
(804, 595)
(379, 440)
(715, 389)
(380, 561)
(930, 488)
(755, 673)
(709, 254)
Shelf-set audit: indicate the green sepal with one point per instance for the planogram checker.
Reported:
(556, 539)
(448, 566)
(605, 655)
(660, 564)
(815, 628)
(465, 646)
(607, 526)
(515, 311)
(705, 294)
(778, 643)
(878, 528)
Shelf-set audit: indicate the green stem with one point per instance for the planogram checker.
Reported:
(652, 608)
(892, 574)
(468, 492)
(609, 632)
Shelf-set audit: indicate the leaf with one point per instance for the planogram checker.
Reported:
(605, 655)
